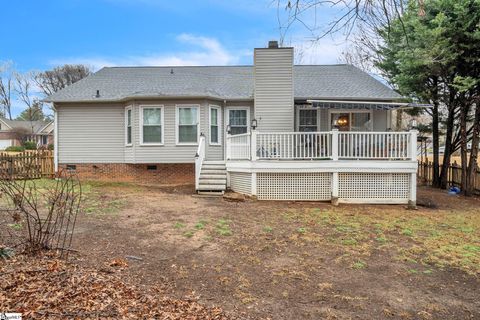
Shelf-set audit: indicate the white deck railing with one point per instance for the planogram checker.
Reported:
(332, 145)
(294, 145)
(238, 146)
(199, 157)
(374, 145)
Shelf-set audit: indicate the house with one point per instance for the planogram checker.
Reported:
(274, 130)
(14, 132)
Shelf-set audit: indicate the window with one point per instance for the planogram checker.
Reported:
(152, 125)
(351, 121)
(361, 121)
(307, 120)
(237, 119)
(128, 126)
(187, 123)
(44, 140)
(214, 125)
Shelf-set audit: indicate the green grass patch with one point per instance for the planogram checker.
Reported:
(178, 225)
(223, 227)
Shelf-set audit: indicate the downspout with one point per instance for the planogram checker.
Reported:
(55, 138)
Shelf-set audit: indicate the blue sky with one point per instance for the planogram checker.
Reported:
(39, 35)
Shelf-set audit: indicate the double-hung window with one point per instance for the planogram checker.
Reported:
(128, 126)
(187, 124)
(214, 125)
(151, 124)
(238, 121)
(307, 121)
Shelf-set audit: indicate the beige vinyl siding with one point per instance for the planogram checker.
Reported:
(241, 182)
(91, 133)
(169, 152)
(380, 122)
(273, 73)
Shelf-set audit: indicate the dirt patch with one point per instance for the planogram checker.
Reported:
(294, 260)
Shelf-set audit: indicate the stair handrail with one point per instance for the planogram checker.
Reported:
(199, 157)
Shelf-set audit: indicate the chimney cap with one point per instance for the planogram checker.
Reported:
(273, 44)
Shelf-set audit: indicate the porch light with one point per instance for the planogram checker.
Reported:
(254, 124)
(229, 129)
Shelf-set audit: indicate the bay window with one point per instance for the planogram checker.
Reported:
(187, 124)
(151, 125)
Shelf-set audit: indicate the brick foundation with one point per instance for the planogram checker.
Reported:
(165, 173)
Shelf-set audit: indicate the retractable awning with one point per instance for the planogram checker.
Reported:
(367, 105)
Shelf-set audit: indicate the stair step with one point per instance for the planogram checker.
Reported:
(214, 166)
(213, 176)
(214, 162)
(206, 187)
(213, 171)
(213, 193)
(213, 181)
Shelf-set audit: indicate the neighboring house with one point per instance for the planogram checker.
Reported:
(12, 132)
(273, 130)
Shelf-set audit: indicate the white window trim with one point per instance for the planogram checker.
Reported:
(177, 118)
(307, 108)
(162, 115)
(349, 111)
(219, 123)
(126, 126)
(227, 114)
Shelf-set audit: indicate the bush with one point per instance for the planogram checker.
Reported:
(30, 145)
(50, 146)
(15, 149)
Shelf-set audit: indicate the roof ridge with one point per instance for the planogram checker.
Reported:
(224, 66)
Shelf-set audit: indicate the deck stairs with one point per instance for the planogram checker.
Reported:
(213, 178)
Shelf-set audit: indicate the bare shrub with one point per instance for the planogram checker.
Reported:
(44, 212)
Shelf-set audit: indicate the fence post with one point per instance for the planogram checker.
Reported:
(335, 145)
(253, 145)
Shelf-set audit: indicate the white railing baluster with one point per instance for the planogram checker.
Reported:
(319, 145)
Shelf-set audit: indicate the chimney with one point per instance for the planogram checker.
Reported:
(273, 89)
(273, 44)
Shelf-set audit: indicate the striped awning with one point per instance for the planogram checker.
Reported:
(365, 105)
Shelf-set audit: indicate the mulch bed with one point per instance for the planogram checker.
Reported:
(44, 287)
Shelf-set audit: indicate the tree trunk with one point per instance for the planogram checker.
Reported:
(473, 164)
(443, 181)
(436, 142)
(463, 148)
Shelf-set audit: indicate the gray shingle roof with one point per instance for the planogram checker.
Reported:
(32, 126)
(225, 82)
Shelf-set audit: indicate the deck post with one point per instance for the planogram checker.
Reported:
(412, 198)
(335, 144)
(335, 188)
(413, 144)
(229, 146)
(253, 145)
(254, 184)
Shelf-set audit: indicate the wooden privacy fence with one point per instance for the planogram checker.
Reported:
(454, 174)
(33, 164)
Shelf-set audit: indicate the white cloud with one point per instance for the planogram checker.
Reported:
(208, 51)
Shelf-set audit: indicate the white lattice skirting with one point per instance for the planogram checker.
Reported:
(294, 186)
(373, 186)
(353, 187)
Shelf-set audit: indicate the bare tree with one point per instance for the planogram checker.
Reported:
(6, 89)
(24, 91)
(45, 213)
(60, 77)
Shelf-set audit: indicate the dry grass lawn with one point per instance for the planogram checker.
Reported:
(287, 260)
